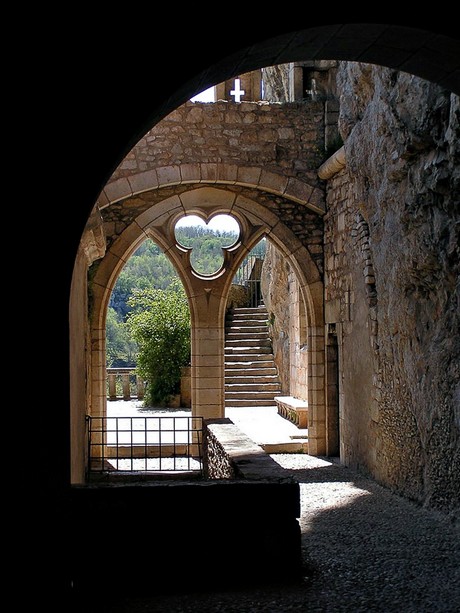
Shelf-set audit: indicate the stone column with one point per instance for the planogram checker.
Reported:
(316, 397)
(208, 336)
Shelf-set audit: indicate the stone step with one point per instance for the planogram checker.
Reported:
(249, 362)
(237, 333)
(297, 446)
(247, 402)
(259, 309)
(251, 377)
(256, 369)
(255, 395)
(248, 342)
(254, 320)
(247, 386)
(235, 351)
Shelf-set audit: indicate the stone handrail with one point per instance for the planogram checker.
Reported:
(126, 375)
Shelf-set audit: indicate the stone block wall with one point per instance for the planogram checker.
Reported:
(274, 282)
(298, 341)
(350, 312)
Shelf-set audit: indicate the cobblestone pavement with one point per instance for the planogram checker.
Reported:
(365, 550)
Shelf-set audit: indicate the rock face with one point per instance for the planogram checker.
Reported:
(391, 279)
(392, 231)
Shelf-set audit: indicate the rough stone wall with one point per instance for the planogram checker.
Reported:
(276, 81)
(217, 462)
(274, 285)
(287, 137)
(287, 322)
(397, 259)
(298, 336)
(350, 306)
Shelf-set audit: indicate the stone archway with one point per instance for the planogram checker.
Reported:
(95, 114)
(208, 296)
(298, 43)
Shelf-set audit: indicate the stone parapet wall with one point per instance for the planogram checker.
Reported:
(216, 460)
(229, 454)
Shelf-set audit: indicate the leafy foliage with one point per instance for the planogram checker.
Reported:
(206, 256)
(147, 268)
(120, 347)
(160, 324)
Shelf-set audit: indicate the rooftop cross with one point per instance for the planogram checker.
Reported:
(237, 92)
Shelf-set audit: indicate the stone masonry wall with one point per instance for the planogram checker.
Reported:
(350, 306)
(275, 136)
(275, 291)
(392, 281)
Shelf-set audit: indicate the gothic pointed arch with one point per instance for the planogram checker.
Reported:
(157, 223)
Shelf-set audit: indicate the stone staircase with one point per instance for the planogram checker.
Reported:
(251, 377)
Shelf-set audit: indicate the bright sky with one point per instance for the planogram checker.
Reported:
(225, 223)
(208, 95)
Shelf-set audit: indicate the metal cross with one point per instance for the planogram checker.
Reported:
(237, 92)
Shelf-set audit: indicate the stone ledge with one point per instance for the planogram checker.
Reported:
(246, 459)
(293, 409)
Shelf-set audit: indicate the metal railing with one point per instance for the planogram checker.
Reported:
(144, 444)
(248, 275)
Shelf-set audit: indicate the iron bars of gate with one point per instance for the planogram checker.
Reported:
(163, 444)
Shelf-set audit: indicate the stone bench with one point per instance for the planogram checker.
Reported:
(293, 409)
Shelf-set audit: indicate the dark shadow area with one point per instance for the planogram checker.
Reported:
(363, 549)
(155, 538)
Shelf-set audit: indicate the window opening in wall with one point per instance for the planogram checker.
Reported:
(206, 240)
(208, 95)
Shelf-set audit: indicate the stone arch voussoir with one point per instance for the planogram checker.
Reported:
(214, 173)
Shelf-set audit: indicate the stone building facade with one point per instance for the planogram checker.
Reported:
(366, 253)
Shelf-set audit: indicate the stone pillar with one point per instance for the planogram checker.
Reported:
(140, 388)
(186, 387)
(208, 336)
(126, 386)
(316, 396)
(112, 386)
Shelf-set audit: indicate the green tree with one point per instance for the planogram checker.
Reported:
(160, 324)
(121, 349)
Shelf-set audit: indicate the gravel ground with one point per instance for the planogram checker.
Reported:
(365, 550)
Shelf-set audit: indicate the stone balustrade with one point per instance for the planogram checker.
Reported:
(132, 386)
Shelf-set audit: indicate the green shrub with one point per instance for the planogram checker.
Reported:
(160, 324)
